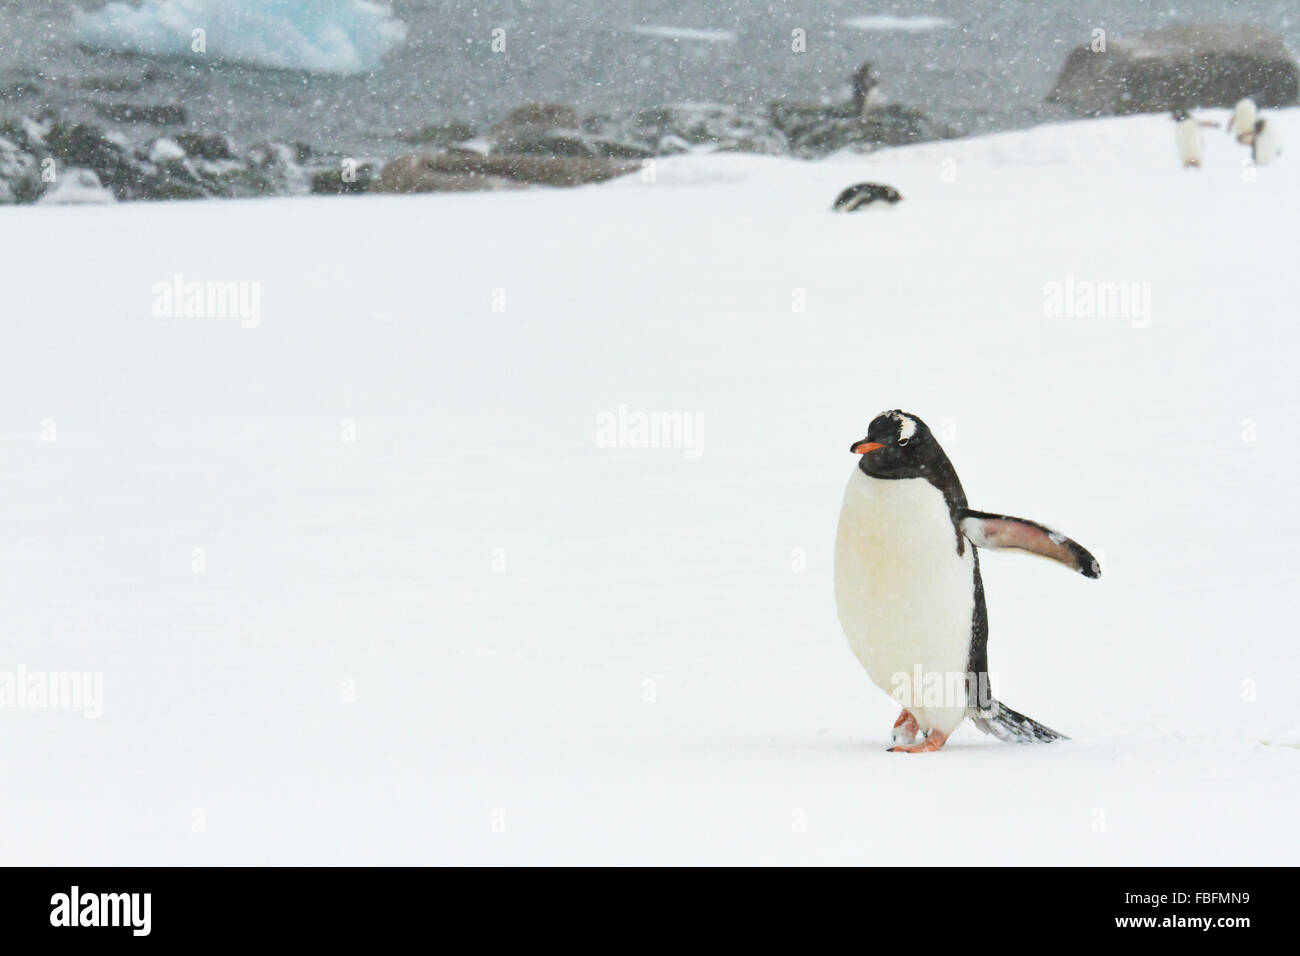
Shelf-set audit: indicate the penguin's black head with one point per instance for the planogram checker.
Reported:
(864, 81)
(899, 445)
(1181, 114)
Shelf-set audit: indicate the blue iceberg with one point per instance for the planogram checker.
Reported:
(319, 36)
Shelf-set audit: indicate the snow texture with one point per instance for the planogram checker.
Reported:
(364, 586)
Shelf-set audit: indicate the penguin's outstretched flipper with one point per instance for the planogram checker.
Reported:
(1004, 723)
(1004, 533)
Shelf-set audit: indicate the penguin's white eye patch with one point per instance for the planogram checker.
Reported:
(906, 428)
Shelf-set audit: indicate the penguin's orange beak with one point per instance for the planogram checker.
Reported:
(862, 447)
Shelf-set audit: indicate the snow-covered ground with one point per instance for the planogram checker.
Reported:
(366, 582)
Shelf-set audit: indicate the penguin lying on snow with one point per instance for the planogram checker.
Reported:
(862, 195)
(908, 587)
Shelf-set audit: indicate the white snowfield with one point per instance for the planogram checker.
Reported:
(379, 570)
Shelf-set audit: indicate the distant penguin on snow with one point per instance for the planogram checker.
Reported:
(1266, 145)
(908, 587)
(1242, 124)
(862, 195)
(867, 94)
(1187, 134)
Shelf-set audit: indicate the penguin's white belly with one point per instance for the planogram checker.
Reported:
(905, 596)
(1267, 146)
(1243, 123)
(1188, 135)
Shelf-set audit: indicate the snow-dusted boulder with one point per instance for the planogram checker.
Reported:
(1202, 65)
(77, 187)
(706, 125)
(164, 150)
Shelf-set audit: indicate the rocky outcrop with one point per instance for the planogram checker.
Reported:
(678, 126)
(439, 134)
(37, 159)
(536, 144)
(820, 130)
(154, 115)
(424, 174)
(350, 178)
(1188, 66)
(460, 171)
(534, 117)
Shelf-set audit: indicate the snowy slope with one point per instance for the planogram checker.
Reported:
(562, 651)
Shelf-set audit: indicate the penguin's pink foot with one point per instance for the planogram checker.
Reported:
(905, 729)
(933, 741)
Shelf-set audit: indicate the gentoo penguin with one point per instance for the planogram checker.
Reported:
(862, 195)
(1242, 124)
(908, 587)
(867, 94)
(1187, 134)
(1266, 145)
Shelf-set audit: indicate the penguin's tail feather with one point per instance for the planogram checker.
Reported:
(1006, 724)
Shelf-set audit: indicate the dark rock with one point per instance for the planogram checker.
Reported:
(440, 134)
(271, 169)
(890, 125)
(110, 84)
(551, 131)
(20, 180)
(539, 129)
(569, 144)
(153, 115)
(538, 116)
(420, 174)
(343, 180)
(614, 149)
(88, 147)
(177, 179)
(706, 124)
(206, 146)
(1200, 65)
(544, 144)
(461, 170)
(536, 170)
(22, 134)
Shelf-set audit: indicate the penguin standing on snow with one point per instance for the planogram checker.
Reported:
(1187, 134)
(1242, 124)
(1266, 145)
(908, 587)
(861, 195)
(867, 94)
